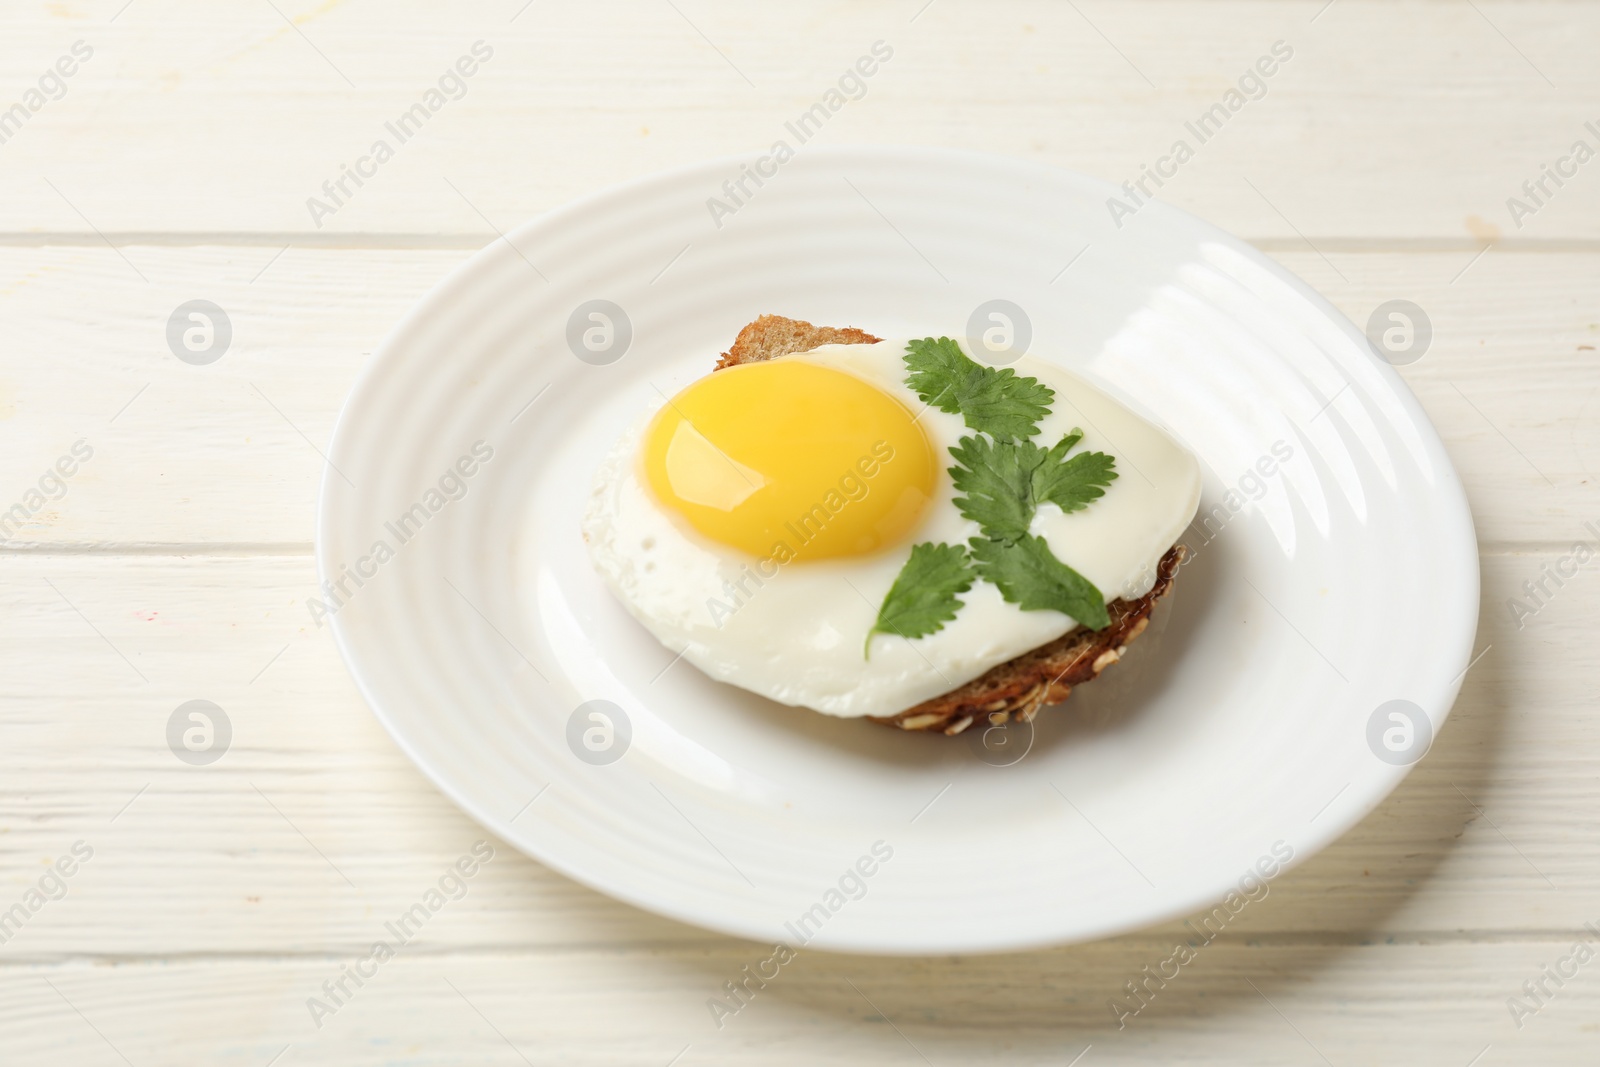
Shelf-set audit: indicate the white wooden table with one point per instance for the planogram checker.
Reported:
(174, 564)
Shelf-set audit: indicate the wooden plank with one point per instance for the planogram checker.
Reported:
(313, 827)
(229, 453)
(1236, 1003)
(1416, 120)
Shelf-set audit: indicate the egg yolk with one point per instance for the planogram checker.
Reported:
(791, 460)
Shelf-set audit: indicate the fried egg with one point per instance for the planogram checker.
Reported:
(755, 521)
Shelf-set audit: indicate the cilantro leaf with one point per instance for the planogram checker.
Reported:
(997, 479)
(924, 595)
(990, 400)
(938, 372)
(1029, 575)
(1076, 483)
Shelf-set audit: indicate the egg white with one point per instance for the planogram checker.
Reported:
(797, 636)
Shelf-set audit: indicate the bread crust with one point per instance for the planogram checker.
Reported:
(1014, 690)
(771, 336)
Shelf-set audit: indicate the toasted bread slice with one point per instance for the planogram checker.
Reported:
(1018, 688)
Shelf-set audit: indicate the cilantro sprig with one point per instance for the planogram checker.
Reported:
(1003, 478)
(1004, 482)
(925, 595)
(991, 400)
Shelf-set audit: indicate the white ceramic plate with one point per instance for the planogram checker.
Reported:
(1243, 720)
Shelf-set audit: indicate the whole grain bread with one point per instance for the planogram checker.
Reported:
(1018, 688)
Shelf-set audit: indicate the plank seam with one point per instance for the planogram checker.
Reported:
(645, 947)
(471, 241)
